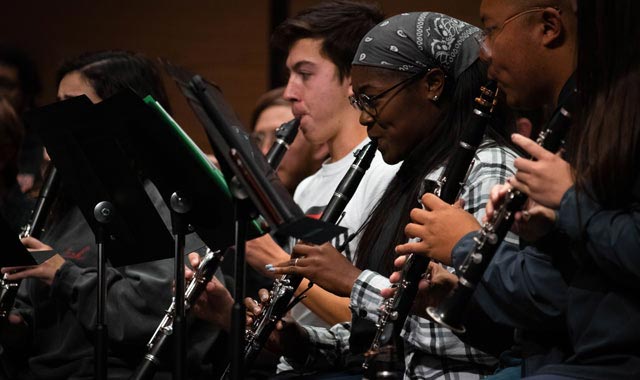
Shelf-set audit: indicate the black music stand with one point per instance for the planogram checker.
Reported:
(188, 181)
(106, 187)
(254, 185)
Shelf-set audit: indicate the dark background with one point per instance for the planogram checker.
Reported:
(227, 41)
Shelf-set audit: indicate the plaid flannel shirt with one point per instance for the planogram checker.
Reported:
(431, 351)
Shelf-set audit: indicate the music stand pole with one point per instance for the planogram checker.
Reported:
(103, 213)
(180, 205)
(242, 218)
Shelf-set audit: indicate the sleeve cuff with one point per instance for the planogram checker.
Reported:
(574, 214)
(462, 248)
(64, 280)
(365, 300)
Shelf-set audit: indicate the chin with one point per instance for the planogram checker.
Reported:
(390, 158)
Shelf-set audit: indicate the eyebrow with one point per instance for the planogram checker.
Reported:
(362, 88)
(298, 65)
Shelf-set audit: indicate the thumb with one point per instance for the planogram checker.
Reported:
(459, 203)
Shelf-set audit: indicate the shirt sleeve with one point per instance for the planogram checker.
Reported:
(492, 166)
(610, 237)
(526, 278)
(327, 348)
(365, 299)
(137, 296)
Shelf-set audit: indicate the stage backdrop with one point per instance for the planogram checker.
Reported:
(226, 41)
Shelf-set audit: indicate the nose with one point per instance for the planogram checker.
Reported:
(366, 119)
(484, 54)
(291, 91)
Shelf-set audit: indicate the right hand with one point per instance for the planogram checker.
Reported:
(16, 319)
(262, 251)
(215, 303)
(288, 334)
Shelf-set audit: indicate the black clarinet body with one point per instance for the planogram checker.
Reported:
(282, 294)
(396, 309)
(34, 228)
(210, 263)
(207, 268)
(450, 313)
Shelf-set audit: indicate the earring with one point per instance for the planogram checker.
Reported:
(435, 98)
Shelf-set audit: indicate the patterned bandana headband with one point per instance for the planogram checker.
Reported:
(413, 42)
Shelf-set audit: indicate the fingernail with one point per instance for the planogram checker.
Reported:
(269, 267)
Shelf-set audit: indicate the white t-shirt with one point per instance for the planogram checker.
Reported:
(314, 193)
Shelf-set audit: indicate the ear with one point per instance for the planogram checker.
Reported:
(553, 27)
(346, 81)
(433, 84)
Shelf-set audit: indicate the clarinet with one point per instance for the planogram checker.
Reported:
(207, 268)
(35, 228)
(210, 263)
(450, 312)
(282, 298)
(395, 310)
(285, 134)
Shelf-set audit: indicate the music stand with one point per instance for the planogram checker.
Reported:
(107, 189)
(187, 180)
(252, 180)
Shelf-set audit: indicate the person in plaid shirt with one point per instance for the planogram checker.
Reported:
(428, 60)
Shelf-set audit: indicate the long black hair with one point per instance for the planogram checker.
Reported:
(384, 229)
(108, 73)
(604, 151)
(111, 71)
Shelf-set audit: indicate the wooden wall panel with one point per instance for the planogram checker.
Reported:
(226, 41)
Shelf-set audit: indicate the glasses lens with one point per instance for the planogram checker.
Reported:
(366, 103)
(481, 39)
(354, 103)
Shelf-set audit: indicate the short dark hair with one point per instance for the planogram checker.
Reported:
(30, 84)
(340, 24)
(112, 71)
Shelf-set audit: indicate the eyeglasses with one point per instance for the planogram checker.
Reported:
(493, 32)
(264, 138)
(367, 103)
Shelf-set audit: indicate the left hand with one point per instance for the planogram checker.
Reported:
(439, 226)
(437, 283)
(44, 272)
(545, 180)
(534, 222)
(323, 265)
(214, 305)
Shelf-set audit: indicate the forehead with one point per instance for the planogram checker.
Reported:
(363, 77)
(76, 84)
(307, 50)
(492, 11)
